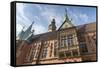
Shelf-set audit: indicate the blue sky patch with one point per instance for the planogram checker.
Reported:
(42, 14)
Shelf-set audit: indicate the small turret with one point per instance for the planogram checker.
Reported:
(52, 26)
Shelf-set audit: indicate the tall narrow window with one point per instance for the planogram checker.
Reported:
(70, 40)
(32, 55)
(66, 42)
(51, 50)
(44, 52)
(63, 41)
(83, 48)
(55, 49)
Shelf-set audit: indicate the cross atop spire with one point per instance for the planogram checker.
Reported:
(66, 14)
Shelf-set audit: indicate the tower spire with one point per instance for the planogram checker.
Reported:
(67, 22)
(28, 31)
(23, 27)
(30, 27)
(66, 14)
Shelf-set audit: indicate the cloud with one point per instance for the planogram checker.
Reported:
(79, 18)
(21, 17)
(39, 29)
(42, 19)
(42, 16)
(19, 28)
(39, 7)
(84, 17)
(37, 19)
(21, 14)
(47, 14)
(51, 13)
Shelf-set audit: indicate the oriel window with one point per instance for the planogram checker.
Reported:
(70, 40)
(63, 41)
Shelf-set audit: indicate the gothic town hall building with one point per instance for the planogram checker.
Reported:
(67, 44)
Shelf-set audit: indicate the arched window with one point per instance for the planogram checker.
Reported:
(55, 49)
(51, 47)
(44, 52)
(32, 55)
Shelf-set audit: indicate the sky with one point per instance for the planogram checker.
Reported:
(42, 15)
